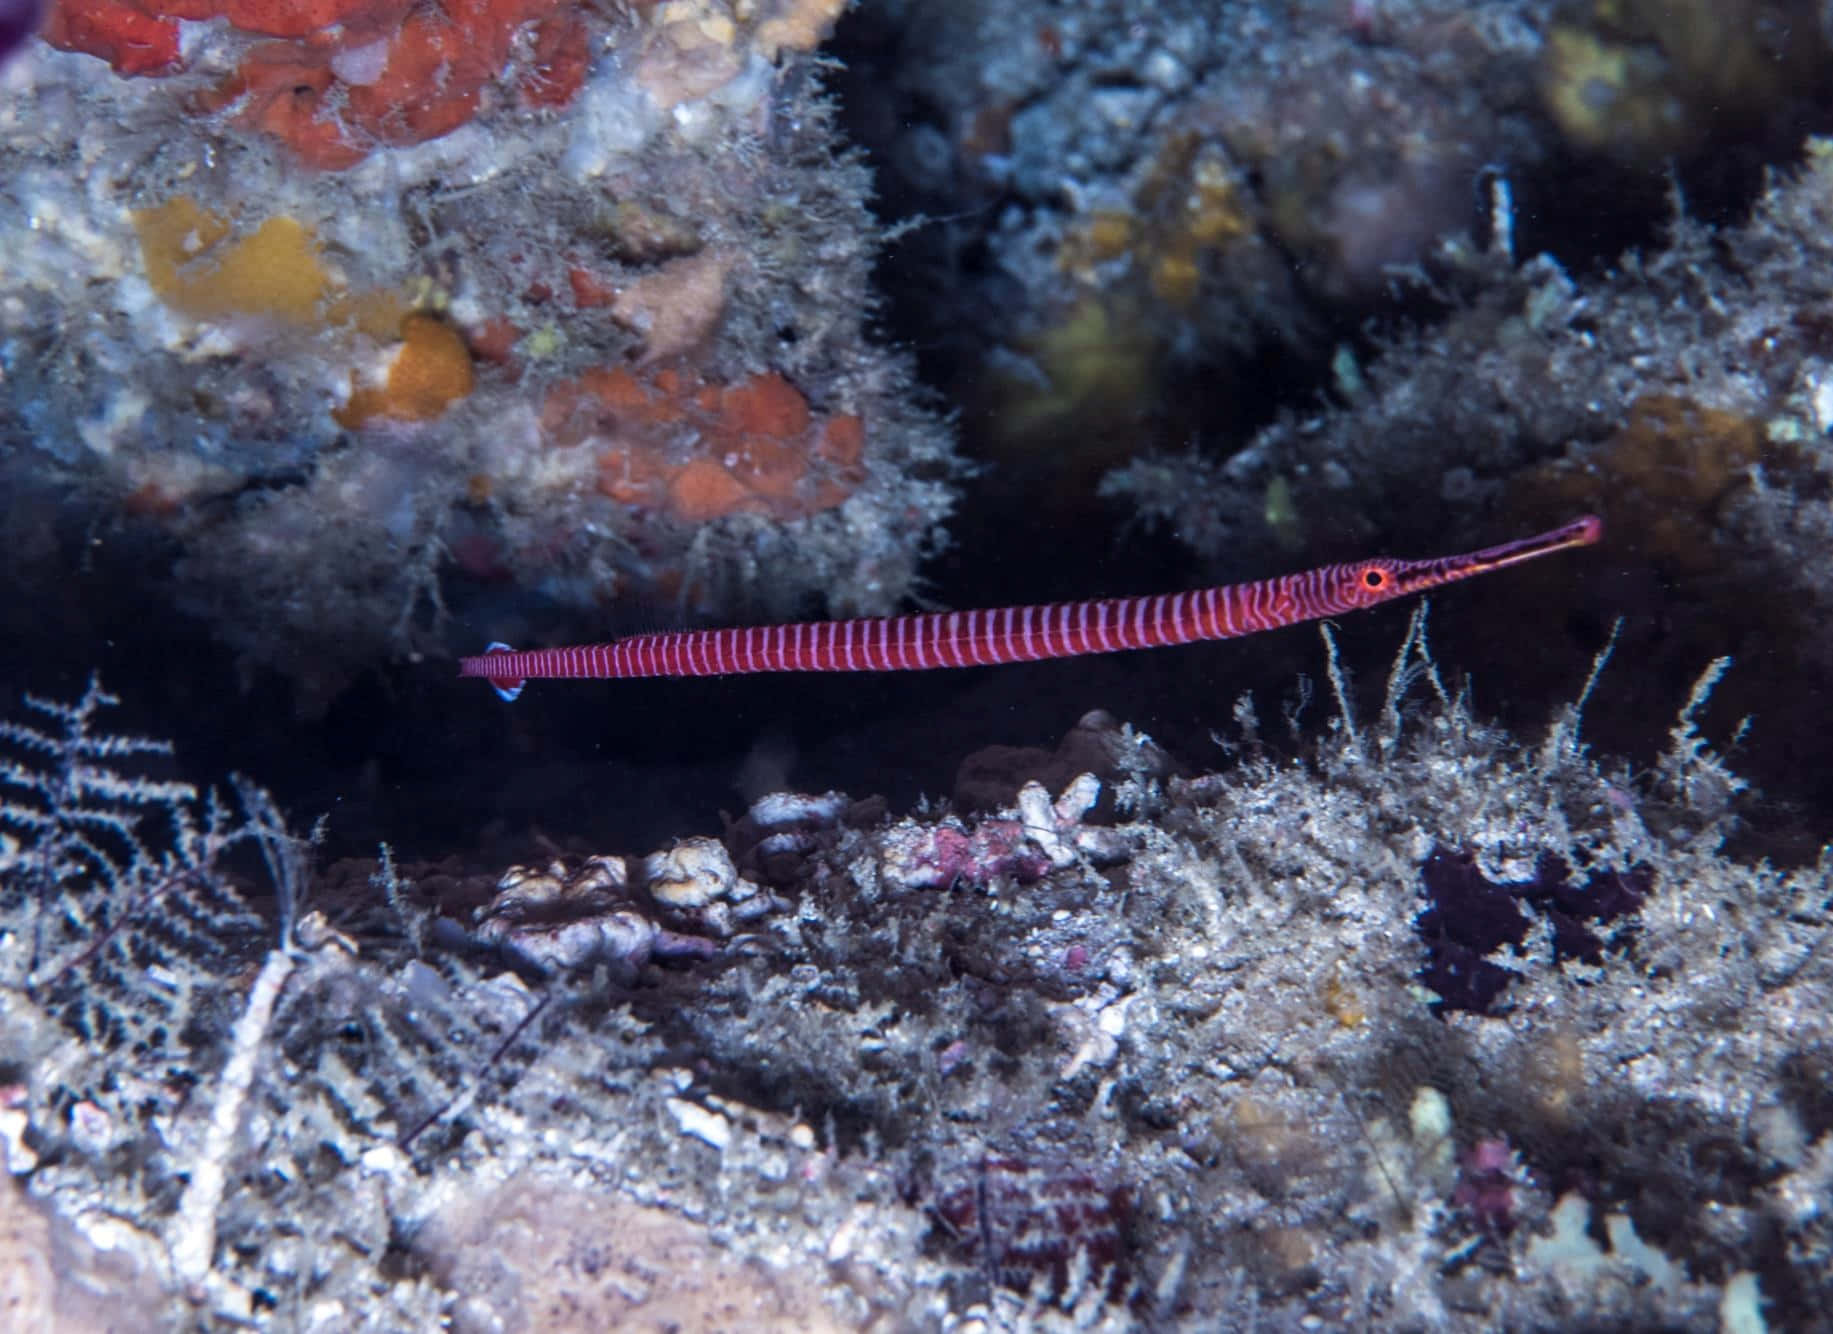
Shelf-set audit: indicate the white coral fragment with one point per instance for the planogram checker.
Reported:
(707, 1126)
(692, 874)
(1054, 826)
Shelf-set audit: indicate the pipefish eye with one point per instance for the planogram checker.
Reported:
(1375, 579)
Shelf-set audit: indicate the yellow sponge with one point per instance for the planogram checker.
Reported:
(197, 269)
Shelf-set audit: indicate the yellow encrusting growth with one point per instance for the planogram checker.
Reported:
(1096, 363)
(429, 371)
(1197, 213)
(1647, 79)
(1139, 265)
(1343, 1004)
(198, 267)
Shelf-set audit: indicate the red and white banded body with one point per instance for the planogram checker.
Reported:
(1016, 634)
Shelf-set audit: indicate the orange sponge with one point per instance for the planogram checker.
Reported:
(422, 72)
(702, 451)
(704, 489)
(123, 34)
(430, 371)
(764, 405)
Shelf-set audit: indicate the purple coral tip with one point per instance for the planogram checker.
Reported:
(19, 20)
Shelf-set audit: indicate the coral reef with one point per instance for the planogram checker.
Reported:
(1685, 397)
(1132, 198)
(362, 330)
(1186, 1058)
(386, 313)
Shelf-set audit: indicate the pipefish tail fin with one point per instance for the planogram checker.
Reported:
(507, 687)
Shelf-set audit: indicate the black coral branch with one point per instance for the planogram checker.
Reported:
(91, 839)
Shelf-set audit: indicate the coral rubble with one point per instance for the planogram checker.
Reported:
(1194, 1055)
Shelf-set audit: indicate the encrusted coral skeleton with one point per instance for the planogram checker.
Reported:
(553, 919)
(568, 311)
